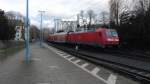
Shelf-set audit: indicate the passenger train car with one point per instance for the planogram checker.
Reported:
(102, 37)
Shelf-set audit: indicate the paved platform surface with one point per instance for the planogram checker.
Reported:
(51, 66)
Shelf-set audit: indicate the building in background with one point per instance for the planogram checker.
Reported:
(17, 20)
(19, 33)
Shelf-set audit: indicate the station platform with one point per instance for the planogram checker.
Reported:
(51, 66)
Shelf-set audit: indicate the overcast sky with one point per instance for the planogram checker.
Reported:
(62, 8)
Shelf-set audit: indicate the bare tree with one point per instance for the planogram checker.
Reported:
(34, 32)
(141, 6)
(82, 14)
(114, 11)
(104, 16)
(134, 16)
(116, 8)
(91, 16)
(46, 32)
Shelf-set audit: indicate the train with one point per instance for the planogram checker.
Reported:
(101, 37)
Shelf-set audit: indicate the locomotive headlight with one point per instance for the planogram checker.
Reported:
(109, 39)
(116, 39)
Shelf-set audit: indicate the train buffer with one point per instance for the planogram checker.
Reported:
(52, 66)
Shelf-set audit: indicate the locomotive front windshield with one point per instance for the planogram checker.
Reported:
(112, 33)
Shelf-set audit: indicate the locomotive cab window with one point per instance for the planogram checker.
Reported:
(111, 33)
(114, 33)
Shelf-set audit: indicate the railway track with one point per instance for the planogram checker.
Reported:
(129, 54)
(140, 74)
(119, 52)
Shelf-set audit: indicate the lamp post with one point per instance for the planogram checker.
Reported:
(41, 25)
(27, 54)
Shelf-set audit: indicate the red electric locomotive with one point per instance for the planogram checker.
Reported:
(101, 37)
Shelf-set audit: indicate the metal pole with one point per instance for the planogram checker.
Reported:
(55, 25)
(27, 55)
(41, 30)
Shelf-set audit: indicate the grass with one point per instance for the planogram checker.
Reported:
(1, 50)
(13, 50)
(10, 51)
